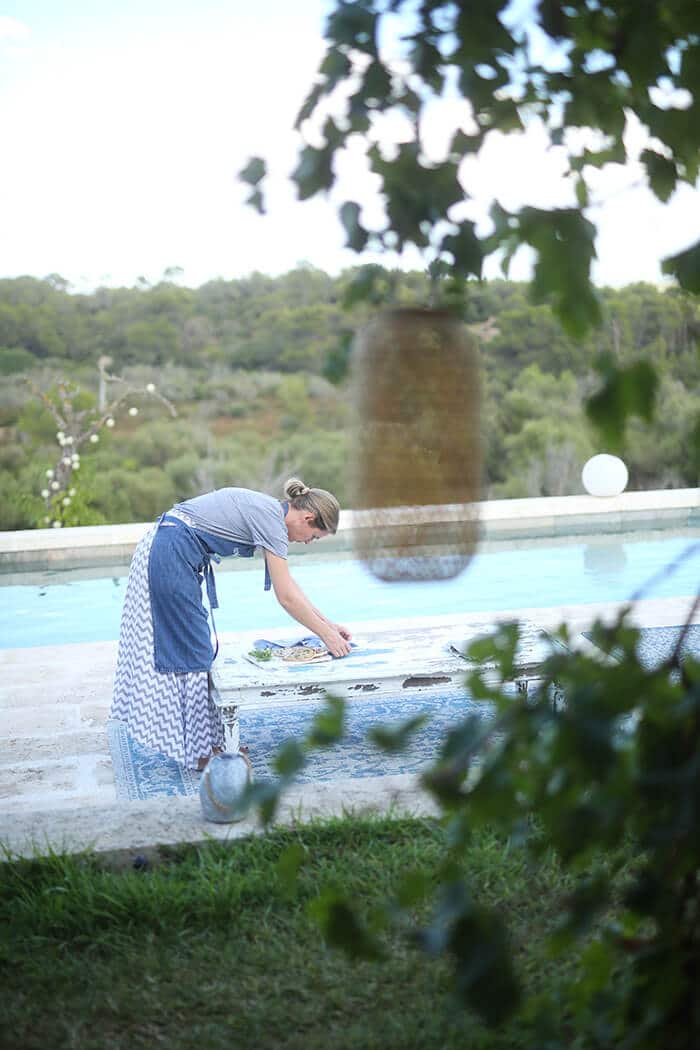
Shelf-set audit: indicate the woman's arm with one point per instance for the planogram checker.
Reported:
(291, 597)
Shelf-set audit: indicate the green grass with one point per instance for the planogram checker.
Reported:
(215, 948)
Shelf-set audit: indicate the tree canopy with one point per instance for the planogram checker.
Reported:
(585, 70)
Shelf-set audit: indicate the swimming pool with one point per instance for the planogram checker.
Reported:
(65, 609)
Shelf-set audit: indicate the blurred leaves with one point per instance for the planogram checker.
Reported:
(610, 65)
(685, 267)
(626, 391)
(599, 765)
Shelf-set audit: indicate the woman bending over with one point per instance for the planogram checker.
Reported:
(161, 688)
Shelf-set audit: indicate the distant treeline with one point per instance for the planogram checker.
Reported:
(257, 368)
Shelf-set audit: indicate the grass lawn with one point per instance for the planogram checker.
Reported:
(214, 947)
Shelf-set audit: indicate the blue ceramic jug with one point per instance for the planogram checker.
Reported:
(223, 782)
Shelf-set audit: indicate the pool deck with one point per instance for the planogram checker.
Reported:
(56, 779)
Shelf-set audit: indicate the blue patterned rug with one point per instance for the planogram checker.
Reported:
(141, 773)
(656, 644)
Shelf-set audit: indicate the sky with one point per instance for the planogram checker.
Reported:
(124, 124)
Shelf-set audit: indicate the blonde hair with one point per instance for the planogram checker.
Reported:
(322, 504)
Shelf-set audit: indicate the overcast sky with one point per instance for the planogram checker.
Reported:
(123, 125)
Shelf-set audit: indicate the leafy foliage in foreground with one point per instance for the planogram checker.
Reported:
(583, 71)
(606, 752)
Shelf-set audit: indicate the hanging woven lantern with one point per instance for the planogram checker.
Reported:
(417, 463)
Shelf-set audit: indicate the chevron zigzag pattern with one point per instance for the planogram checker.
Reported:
(169, 713)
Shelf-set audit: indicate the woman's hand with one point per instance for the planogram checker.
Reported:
(342, 631)
(334, 641)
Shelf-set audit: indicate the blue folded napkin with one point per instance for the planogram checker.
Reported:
(265, 643)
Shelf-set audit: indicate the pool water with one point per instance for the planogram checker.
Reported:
(582, 570)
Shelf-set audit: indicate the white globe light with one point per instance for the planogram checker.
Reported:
(56, 525)
(133, 411)
(66, 501)
(69, 441)
(94, 438)
(66, 461)
(49, 473)
(150, 387)
(109, 422)
(55, 486)
(47, 521)
(76, 464)
(604, 475)
(44, 493)
(71, 492)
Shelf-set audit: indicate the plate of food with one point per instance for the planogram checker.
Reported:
(276, 655)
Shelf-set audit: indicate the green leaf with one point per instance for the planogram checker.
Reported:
(595, 102)
(288, 866)
(289, 758)
(335, 66)
(255, 200)
(661, 172)
(462, 145)
(370, 284)
(357, 234)
(354, 26)
(254, 171)
(465, 249)
(685, 267)
(552, 18)
(564, 242)
(413, 887)
(427, 62)
(358, 113)
(309, 104)
(417, 195)
(343, 928)
(376, 85)
(328, 725)
(265, 795)
(476, 940)
(394, 739)
(480, 33)
(581, 193)
(689, 74)
(499, 648)
(314, 172)
(626, 391)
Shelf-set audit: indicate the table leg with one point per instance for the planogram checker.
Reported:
(232, 728)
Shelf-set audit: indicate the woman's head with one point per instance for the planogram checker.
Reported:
(323, 505)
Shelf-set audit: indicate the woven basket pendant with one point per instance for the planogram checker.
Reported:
(417, 461)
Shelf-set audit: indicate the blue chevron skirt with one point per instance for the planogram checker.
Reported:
(171, 713)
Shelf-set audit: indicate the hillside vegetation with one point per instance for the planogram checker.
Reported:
(258, 370)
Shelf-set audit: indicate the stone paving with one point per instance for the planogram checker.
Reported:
(56, 780)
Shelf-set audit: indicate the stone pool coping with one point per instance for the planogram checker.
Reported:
(40, 549)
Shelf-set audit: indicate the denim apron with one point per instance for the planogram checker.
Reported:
(180, 561)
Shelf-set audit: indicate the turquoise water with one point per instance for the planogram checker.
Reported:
(578, 571)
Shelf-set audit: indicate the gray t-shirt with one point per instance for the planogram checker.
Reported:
(241, 515)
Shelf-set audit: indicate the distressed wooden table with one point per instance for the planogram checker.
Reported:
(384, 663)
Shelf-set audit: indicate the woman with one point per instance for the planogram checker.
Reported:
(161, 688)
